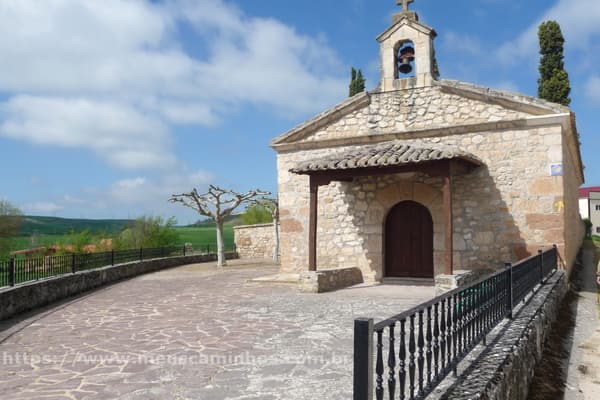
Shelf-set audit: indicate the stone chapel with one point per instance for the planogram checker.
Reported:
(424, 177)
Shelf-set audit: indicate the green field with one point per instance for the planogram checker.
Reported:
(201, 236)
(63, 226)
(198, 236)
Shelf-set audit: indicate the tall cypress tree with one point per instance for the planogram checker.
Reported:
(352, 90)
(553, 84)
(357, 82)
(360, 82)
(435, 69)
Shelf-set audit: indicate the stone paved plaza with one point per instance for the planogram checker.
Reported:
(194, 332)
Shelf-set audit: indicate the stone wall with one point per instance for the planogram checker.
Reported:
(568, 204)
(416, 109)
(31, 295)
(504, 369)
(327, 280)
(255, 241)
(503, 211)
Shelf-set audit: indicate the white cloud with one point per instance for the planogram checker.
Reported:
(593, 89)
(261, 60)
(120, 133)
(114, 76)
(579, 23)
(128, 197)
(68, 199)
(42, 207)
(150, 192)
(509, 86)
(462, 43)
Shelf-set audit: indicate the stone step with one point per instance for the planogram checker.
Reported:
(408, 281)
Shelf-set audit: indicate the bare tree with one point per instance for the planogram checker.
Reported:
(217, 203)
(272, 206)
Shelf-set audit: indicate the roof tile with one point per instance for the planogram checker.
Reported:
(392, 153)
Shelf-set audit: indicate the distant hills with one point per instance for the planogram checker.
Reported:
(62, 226)
(235, 219)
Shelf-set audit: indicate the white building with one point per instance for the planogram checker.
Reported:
(589, 206)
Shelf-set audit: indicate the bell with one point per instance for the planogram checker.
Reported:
(408, 51)
(406, 56)
(405, 66)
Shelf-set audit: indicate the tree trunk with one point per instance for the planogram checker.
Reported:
(220, 246)
(276, 233)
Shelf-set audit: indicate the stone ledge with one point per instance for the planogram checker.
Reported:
(35, 294)
(504, 369)
(327, 280)
(460, 278)
(270, 224)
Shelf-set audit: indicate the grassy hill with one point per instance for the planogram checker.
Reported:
(63, 226)
(54, 230)
(231, 220)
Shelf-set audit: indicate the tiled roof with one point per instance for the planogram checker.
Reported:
(584, 193)
(386, 154)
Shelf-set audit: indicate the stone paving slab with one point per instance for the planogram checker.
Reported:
(194, 332)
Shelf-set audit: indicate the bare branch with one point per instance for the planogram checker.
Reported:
(217, 203)
(271, 204)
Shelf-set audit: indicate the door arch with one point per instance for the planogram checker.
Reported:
(408, 251)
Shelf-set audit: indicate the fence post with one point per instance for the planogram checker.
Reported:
(363, 359)
(541, 261)
(11, 272)
(555, 247)
(112, 257)
(141, 254)
(510, 290)
(73, 269)
(184, 250)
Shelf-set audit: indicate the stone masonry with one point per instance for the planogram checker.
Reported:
(254, 241)
(503, 211)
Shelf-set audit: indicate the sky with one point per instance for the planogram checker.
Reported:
(109, 107)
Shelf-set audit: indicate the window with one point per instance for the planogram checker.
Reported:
(598, 229)
(597, 207)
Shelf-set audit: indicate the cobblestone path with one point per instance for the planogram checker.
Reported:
(194, 332)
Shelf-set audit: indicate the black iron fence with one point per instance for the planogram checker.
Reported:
(415, 350)
(20, 270)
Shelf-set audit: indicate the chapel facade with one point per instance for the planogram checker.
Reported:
(423, 177)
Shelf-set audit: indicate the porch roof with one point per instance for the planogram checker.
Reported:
(385, 155)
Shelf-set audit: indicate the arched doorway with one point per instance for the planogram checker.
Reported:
(409, 241)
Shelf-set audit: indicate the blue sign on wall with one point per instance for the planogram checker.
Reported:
(556, 169)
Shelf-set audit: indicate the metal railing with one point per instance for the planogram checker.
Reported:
(415, 350)
(20, 270)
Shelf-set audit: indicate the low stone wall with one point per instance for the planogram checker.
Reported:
(31, 295)
(504, 369)
(254, 241)
(460, 278)
(327, 280)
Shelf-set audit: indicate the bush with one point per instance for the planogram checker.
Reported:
(256, 214)
(588, 228)
(148, 232)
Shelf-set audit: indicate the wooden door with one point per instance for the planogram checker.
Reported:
(409, 241)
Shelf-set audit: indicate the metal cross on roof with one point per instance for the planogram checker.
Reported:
(404, 4)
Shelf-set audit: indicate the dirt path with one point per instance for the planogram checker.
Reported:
(583, 378)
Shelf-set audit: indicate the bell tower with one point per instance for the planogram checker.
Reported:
(406, 50)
